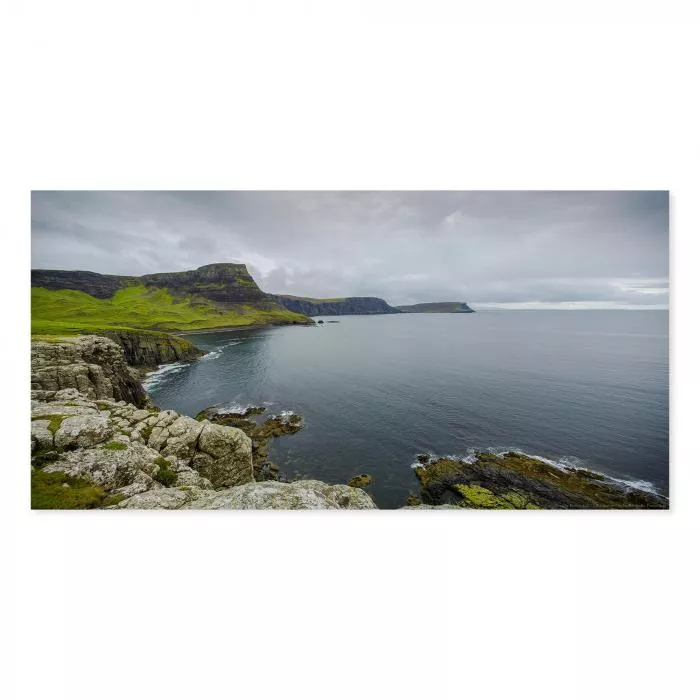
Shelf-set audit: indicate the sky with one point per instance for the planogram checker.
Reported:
(491, 249)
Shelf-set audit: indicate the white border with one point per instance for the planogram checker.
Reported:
(169, 96)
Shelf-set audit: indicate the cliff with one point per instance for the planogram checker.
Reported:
(222, 295)
(438, 307)
(341, 306)
(97, 442)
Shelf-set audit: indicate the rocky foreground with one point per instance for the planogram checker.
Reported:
(97, 442)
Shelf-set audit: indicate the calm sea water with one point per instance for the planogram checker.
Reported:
(586, 388)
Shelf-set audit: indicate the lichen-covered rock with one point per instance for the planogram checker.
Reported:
(42, 438)
(161, 499)
(224, 455)
(178, 438)
(83, 431)
(91, 365)
(298, 495)
(109, 467)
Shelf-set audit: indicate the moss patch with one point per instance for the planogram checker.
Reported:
(360, 480)
(480, 497)
(114, 445)
(165, 474)
(54, 419)
(58, 491)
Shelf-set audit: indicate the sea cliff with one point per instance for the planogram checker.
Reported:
(342, 306)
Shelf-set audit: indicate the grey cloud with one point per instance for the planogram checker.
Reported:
(479, 247)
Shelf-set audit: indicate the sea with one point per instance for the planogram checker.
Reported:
(580, 388)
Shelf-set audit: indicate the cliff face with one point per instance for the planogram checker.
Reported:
(92, 283)
(223, 283)
(334, 307)
(93, 366)
(438, 307)
(152, 349)
(220, 282)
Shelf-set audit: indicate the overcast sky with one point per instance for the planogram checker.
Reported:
(528, 249)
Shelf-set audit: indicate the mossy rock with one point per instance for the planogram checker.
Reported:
(480, 497)
(514, 480)
(58, 491)
(360, 480)
(54, 419)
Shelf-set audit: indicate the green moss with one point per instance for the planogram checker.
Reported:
(113, 499)
(58, 491)
(360, 480)
(146, 432)
(54, 419)
(114, 445)
(165, 475)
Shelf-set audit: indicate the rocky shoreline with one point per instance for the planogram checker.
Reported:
(97, 441)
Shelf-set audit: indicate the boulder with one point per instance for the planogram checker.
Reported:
(298, 495)
(83, 431)
(107, 467)
(224, 455)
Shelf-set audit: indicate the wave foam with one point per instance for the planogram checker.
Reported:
(153, 379)
(566, 463)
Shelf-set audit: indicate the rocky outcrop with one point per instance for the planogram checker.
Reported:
(148, 349)
(438, 307)
(92, 449)
(93, 366)
(298, 495)
(513, 481)
(334, 307)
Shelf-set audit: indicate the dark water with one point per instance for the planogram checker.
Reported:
(579, 387)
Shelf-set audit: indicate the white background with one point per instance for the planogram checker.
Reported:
(200, 95)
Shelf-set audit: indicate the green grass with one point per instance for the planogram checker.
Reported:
(68, 312)
(58, 491)
(114, 445)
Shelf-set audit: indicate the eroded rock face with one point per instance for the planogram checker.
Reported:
(93, 366)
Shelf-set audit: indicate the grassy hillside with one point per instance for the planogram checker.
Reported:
(69, 312)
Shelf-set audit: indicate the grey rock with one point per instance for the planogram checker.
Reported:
(224, 455)
(298, 495)
(83, 431)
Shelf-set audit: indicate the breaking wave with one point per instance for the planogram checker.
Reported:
(153, 379)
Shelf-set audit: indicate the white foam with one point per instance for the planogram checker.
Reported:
(566, 464)
(156, 377)
(214, 354)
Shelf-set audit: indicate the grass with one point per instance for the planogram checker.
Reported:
(58, 491)
(69, 312)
